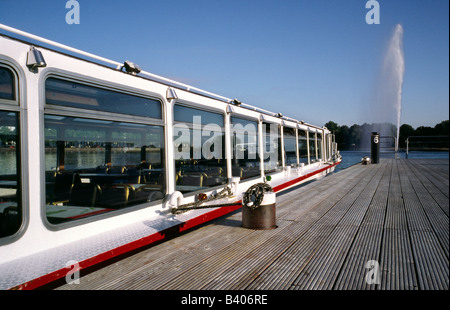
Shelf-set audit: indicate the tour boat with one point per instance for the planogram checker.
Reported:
(99, 158)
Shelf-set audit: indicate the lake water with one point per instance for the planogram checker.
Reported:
(350, 158)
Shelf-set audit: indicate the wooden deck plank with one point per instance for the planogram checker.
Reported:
(322, 271)
(396, 261)
(283, 272)
(367, 244)
(436, 171)
(430, 254)
(393, 212)
(437, 218)
(244, 256)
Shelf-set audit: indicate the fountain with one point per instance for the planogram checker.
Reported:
(393, 72)
(385, 105)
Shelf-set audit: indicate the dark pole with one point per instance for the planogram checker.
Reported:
(375, 147)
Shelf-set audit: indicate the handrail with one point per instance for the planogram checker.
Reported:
(407, 141)
(395, 141)
(105, 60)
(58, 45)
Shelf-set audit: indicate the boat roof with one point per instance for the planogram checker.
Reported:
(141, 74)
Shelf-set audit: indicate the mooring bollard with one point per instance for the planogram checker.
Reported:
(259, 215)
(375, 147)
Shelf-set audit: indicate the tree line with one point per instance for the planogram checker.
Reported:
(357, 137)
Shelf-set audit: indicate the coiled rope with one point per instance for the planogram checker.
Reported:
(254, 195)
(252, 198)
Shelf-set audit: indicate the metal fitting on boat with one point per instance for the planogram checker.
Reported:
(176, 199)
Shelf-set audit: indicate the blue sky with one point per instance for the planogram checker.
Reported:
(313, 60)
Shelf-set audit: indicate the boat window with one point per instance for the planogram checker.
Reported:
(67, 93)
(10, 181)
(97, 166)
(290, 146)
(7, 89)
(330, 147)
(272, 148)
(303, 146)
(319, 145)
(199, 149)
(245, 161)
(190, 115)
(312, 146)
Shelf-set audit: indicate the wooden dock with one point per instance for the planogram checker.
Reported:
(395, 214)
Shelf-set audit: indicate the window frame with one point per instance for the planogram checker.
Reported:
(306, 140)
(203, 108)
(258, 140)
(57, 110)
(295, 130)
(15, 101)
(18, 105)
(312, 138)
(100, 87)
(320, 148)
(278, 168)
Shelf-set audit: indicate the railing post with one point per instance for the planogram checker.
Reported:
(407, 146)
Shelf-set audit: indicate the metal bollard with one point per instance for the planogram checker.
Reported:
(262, 217)
(375, 147)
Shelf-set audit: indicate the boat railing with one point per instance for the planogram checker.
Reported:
(150, 76)
(431, 141)
(388, 145)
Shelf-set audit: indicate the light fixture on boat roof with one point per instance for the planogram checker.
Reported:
(171, 94)
(35, 59)
(131, 67)
(230, 109)
(236, 102)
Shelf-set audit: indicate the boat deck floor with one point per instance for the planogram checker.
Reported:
(376, 227)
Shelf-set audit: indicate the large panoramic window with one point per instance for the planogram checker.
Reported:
(303, 146)
(199, 149)
(319, 146)
(290, 146)
(245, 160)
(10, 176)
(312, 146)
(272, 148)
(95, 166)
(72, 94)
(10, 185)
